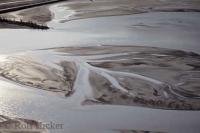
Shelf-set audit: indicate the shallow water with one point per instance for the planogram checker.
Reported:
(119, 75)
(36, 104)
(175, 30)
(166, 30)
(30, 102)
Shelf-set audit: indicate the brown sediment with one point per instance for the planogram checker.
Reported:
(105, 93)
(119, 75)
(70, 73)
(28, 72)
(147, 63)
(19, 125)
(42, 16)
(98, 8)
(38, 19)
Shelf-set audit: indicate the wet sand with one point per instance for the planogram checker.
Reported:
(36, 75)
(19, 125)
(99, 8)
(76, 9)
(119, 75)
(43, 15)
(114, 88)
(45, 106)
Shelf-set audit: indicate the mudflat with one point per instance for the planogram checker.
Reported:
(104, 66)
(8, 6)
(79, 9)
(119, 75)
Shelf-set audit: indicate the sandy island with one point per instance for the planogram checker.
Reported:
(119, 75)
(141, 76)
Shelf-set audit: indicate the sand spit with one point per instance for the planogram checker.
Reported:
(26, 71)
(39, 15)
(119, 75)
(10, 6)
(19, 125)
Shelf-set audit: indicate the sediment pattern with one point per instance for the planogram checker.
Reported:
(119, 75)
(26, 71)
(19, 125)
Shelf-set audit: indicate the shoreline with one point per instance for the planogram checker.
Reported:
(107, 77)
(110, 72)
(16, 22)
(23, 23)
(94, 9)
(25, 6)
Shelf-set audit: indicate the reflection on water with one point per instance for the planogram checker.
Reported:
(178, 30)
(174, 30)
(113, 88)
(106, 77)
(43, 106)
(119, 75)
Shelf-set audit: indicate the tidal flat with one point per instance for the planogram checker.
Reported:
(103, 66)
(119, 75)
